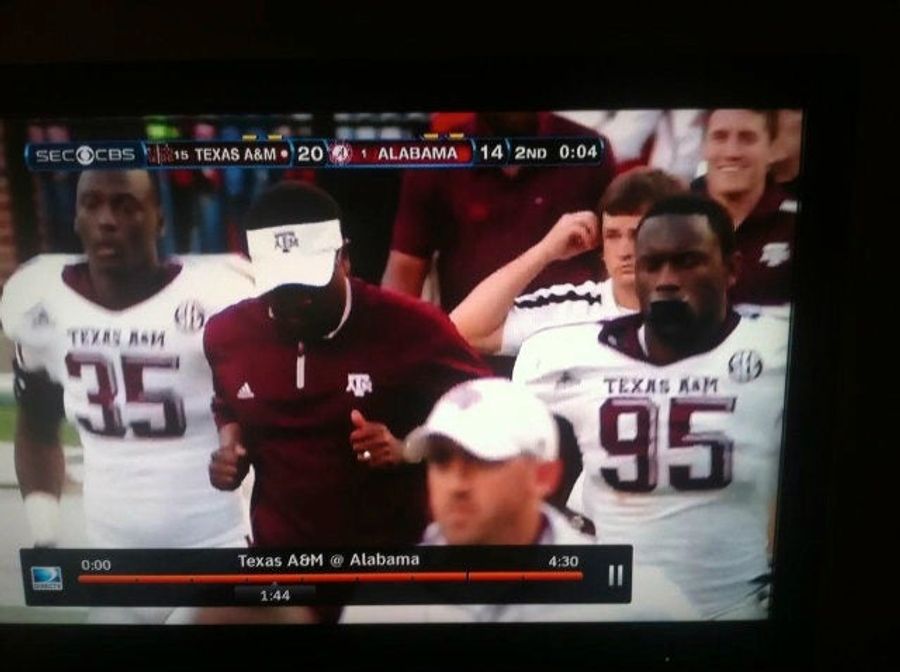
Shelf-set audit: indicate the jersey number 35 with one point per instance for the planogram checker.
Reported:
(106, 395)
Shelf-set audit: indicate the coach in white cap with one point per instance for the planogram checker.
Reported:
(492, 453)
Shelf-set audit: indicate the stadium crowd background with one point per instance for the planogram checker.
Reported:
(203, 207)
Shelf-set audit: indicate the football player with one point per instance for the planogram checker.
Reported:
(677, 410)
(113, 341)
(497, 318)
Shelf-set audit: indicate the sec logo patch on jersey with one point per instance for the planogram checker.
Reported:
(190, 316)
(744, 366)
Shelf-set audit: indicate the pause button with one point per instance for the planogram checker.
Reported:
(616, 575)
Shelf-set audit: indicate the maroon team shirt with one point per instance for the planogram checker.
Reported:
(391, 360)
(481, 219)
(765, 240)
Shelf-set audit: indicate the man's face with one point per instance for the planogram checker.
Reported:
(681, 277)
(118, 219)
(738, 150)
(476, 501)
(618, 247)
(302, 312)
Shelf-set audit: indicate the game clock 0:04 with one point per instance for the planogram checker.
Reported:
(579, 151)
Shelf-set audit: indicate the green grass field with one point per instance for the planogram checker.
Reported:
(8, 425)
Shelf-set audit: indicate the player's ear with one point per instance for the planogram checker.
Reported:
(733, 264)
(549, 475)
(343, 259)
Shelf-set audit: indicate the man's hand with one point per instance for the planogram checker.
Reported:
(229, 464)
(373, 442)
(573, 233)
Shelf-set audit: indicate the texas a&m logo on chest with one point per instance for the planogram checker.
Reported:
(360, 384)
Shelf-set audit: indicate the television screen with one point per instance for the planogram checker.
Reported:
(395, 366)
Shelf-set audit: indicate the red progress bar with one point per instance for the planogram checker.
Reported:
(380, 577)
(526, 576)
(369, 577)
(552, 576)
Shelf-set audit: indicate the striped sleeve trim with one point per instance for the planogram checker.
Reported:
(588, 292)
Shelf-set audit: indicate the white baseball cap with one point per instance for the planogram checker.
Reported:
(294, 254)
(491, 418)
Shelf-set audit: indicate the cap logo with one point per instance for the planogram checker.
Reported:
(285, 240)
(463, 397)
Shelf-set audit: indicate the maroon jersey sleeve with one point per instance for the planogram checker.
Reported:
(419, 213)
(213, 348)
(450, 359)
(441, 359)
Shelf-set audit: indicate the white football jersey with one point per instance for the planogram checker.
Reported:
(679, 460)
(137, 386)
(557, 305)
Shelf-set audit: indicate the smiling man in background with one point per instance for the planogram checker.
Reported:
(738, 148)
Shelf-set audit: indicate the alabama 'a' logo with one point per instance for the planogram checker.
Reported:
(744, 366)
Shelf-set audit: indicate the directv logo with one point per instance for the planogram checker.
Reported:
(46, 578)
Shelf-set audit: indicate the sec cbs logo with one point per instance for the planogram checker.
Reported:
(85, 155)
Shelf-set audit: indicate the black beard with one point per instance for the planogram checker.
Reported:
(672, 321)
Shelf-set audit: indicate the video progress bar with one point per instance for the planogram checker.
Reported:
(370, 577)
